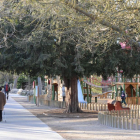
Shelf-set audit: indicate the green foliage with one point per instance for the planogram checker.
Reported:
(22, 81)
(38, 44)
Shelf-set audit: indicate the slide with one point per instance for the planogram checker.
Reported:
(80, 95)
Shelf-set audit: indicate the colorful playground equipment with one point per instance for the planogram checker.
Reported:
(88, 87)
(53, 88)
(131, 88)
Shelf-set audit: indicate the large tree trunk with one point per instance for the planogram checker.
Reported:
(15, 82)
(71, 95)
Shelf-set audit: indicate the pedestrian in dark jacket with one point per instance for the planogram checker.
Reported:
(123, 97)
(6, 90)
(2, 103)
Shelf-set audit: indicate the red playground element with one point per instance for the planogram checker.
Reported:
(116, 106)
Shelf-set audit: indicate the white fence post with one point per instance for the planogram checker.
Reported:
(131, 124)
(137, 124)
(126, 123)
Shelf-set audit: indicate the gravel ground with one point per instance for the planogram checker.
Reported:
(82, 126)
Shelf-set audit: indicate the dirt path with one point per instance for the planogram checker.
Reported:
(77, 126)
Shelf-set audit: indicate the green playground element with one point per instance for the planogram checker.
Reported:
(131, 88)
(53, 93)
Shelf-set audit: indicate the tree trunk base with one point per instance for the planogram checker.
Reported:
(78, 111)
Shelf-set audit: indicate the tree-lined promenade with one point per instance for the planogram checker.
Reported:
(69, 38)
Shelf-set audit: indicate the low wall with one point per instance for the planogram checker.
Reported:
(45, 102)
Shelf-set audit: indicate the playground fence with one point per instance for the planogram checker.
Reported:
(104, 107)
(93, 106)
(124, 119)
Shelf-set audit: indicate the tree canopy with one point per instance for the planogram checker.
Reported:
(69, 37)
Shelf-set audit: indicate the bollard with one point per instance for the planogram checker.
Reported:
(131, 124)
(130, 106)
(109, 120)
(126, 127)
(99, 118)
(80, 105)
(105, 119)
(96, 106)
(123, 123)
(112, 119)
(87, 106)
(135, 113)
(90, 106)
(137, 124)
(101, 107)
(123, 113)
(126, 113)
(102, 119)
(132, 113)
(117, 113)
(115, 122)
(129, 113)
(111, 112)
(118, 122)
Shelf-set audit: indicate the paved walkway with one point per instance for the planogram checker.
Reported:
(22, 125)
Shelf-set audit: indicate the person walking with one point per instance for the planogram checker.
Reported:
(63, 92)
(123, 97)
(6, 90)
(2, 103)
